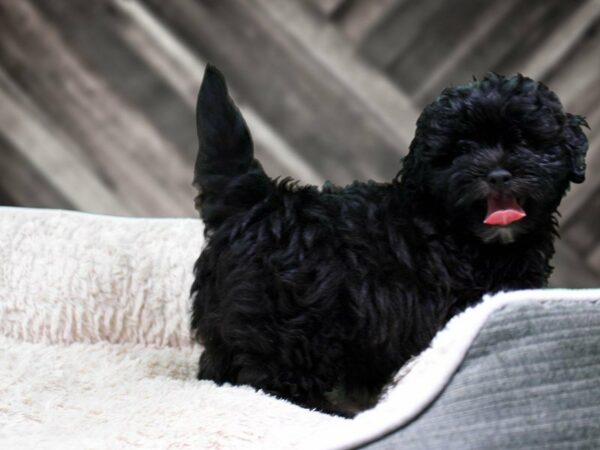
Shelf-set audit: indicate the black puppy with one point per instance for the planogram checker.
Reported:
(316, 295)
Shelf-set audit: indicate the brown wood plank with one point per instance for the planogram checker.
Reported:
(293, 92)
(145, 170)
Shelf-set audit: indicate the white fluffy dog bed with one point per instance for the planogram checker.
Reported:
(95, 349)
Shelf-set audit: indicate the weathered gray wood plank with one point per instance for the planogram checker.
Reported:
(582, 231)
(143, 168)
(392, 112)
(329, 7)
(22, 185)
(166, 95)
(183, 70)
(97, 99)
(593, 259)
(94, 32)
(577, 81)
(466, 42)
(33, 136)
(517, 38)
(396, 31)
(287, 86)
(361, 16)
(554, 48)
(570, 271)
(452, 66)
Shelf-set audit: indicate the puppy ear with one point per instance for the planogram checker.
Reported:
(225, 141)
(576, 143)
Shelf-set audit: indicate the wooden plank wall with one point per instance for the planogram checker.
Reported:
(96, 98)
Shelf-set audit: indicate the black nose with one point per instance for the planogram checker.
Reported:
(498, 177)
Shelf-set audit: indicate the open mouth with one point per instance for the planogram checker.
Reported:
(502, 211)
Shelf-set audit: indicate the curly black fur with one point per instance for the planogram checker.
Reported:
(307, 293)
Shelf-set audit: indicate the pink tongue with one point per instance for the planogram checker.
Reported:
(503, 211)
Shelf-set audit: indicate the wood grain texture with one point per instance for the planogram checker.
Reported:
(329, 7)
(133, 157)
(361, 16)
(97, 98)
(389, 110)
(21, 184)
(286, 85)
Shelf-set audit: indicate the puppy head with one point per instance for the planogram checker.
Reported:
(496, 156)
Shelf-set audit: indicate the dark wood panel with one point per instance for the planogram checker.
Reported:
(7, 200)
(563, 40)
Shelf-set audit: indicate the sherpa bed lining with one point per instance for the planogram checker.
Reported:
(117, 289)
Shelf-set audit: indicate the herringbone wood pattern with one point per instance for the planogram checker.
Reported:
(96, 98)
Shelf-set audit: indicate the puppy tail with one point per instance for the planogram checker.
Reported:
(227, 176)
